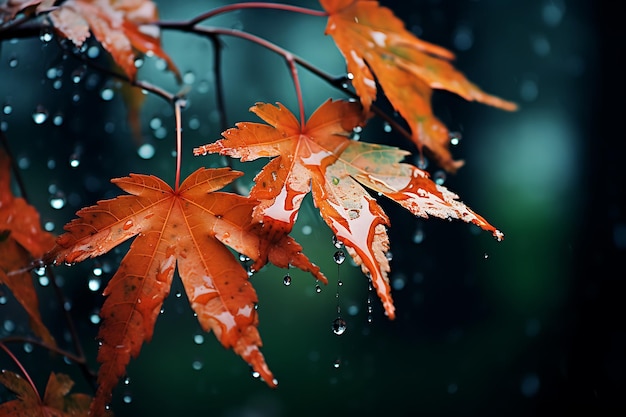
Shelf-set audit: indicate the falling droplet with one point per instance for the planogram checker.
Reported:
(287, 280)
(318, 289)
(339, 257)
(127, 380)
(40, 115)
(336, 363)
(339, 326)
(74, 160)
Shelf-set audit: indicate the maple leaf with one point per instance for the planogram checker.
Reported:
(21, 241)
(379, 50)
(320, 157)
(121, 26)
(56, 402)
(189, 227)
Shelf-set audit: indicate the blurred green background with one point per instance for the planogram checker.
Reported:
(524, 327)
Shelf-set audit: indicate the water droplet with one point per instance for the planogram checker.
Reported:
(194, 123)
(307, 230)
(389, 255)
(93, 52)
(57, 200)
(58, 119)
(94, 284)
(387, 127)
(97, 269)
(46, 35)
(318, 289)
(107, 94)
(452, 388)
(243, 258)
(189, 77)
(28, 347)
(23, 162)
(8, 325)
(203, 87)
(40, 115)
(146, 151)
(78, 74)
(178, 294)
(94, 318)
(455, 138)
(74, 160)
(49, 226)
(337, 243)
(3, 299)
(339, 326)
(13, 62)
(339, 257)
(336, 363)
(287, 280)
(255, 374)
(335, 181)
(439, 177)
(155, 123)
(418, 235)
(7, 109)
(127, 399)
(421, 162)
(463, 38)
(139, 63)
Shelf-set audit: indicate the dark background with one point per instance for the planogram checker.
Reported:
(530, 326)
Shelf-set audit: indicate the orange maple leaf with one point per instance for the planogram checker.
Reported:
(321, 157)
(21, 241)
(189, 227)
(57, 400)
(379, 50)
(121, 26)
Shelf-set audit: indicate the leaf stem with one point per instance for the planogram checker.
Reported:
(179, 103)
(19, 365)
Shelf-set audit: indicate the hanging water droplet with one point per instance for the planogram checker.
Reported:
(336, 363)
(455, 138)
(339, 257)
(338, 244)
(198, 339)
(57, 200)
(94, 284)
(339, 326)
(178, 294)
(40, 115)
(486, 255)
(255, 374)
(287, 280)
(97, 269)
(44, 281)
(318, 289)
(387, 127)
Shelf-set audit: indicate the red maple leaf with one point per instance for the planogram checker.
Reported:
(188, 227)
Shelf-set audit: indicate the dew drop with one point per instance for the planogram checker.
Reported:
(40, 115)
(94, 284)
(57, 201)
(339, 257)
(339, 326)
(287, 280)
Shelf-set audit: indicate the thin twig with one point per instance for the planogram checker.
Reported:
(19, 365)
(253, 5)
